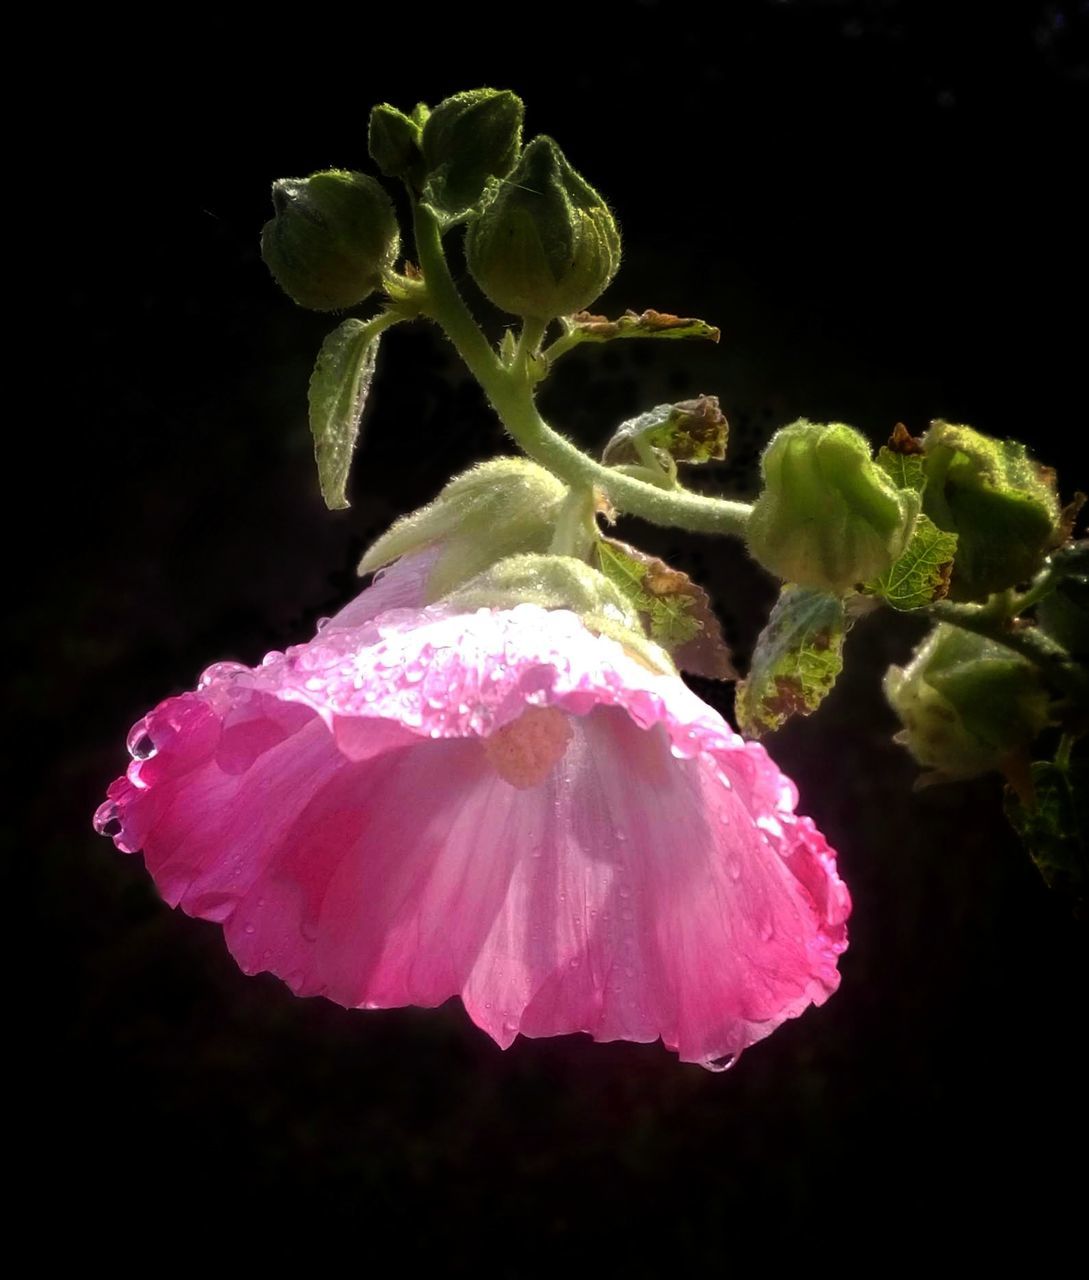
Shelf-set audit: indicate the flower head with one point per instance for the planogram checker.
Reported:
(497, 804)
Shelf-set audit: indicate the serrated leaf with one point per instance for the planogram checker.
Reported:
(676, 612)
(1054, 824)
(904, 469)
(691, 431)
(650, 324)
(797, 658)
(921, 574)
(338, 394)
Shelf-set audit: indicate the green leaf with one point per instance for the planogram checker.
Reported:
(797, 658)
(338, 394)
(676, 612)
(921, 574)
(690, 431)
(1054, 824)
(906, 470)
(651, 324)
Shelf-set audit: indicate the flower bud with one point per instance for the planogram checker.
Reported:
(966, 702)
(828, 516)
(547, 245)
(468, 140)
(996, 500)
(333, 235)
(500, 508)
(393, 140)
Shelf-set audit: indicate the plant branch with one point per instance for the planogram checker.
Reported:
(510, 392)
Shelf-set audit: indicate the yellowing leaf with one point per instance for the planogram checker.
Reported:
(676, 612)
(797, 658)
(921, 574)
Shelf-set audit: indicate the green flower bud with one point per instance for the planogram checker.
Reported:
(997, 501)
(547, 245)
(333, 236)
(828, 516)
(497, 509)
(965, 702)
(468, 140)
(1064, 615)
(393, 140)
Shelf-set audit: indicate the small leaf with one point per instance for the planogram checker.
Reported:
(674, 609)
(921, 574)
(797, 658)
(338, 394)
(651, 324)
(691, 431)
(1054, 824)
(904, 469)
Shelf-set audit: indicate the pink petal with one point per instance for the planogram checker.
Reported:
(337, 810)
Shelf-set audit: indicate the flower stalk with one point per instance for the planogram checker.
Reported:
(510, 392)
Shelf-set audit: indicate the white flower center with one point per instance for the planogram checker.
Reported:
(524, 752)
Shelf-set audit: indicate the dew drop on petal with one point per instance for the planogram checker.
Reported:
(107, 820)
(139, 742)
(724, 1063)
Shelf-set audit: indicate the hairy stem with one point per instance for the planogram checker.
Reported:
(1053, 660)
(510, 392)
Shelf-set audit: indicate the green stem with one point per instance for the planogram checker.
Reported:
(652, 462)
(1027, 640)
(562, 345)
(576, 528)
(1062, 754)
(529, 340)
(386, 319)
(511, 395)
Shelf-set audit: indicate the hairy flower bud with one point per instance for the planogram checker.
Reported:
(547, 245)
(965, 702)
(828, 517)
(469, 140)
(333, 235)
(500, 508)
(393, 140)
(996, 500)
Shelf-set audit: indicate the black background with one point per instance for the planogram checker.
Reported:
(877, 203)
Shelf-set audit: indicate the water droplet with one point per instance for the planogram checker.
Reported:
(107, 820)
(767, 932)
(139, 742)
(574, 962)
(251, 928)
(734, 868)
(323, 623)
(723, 1063)
(624, 891)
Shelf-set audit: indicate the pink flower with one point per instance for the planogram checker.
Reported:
(496, 804)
